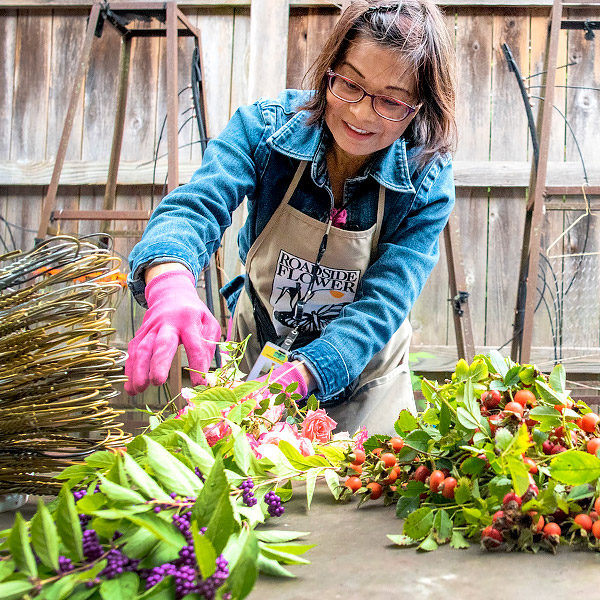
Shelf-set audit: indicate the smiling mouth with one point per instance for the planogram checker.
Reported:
(357, 130)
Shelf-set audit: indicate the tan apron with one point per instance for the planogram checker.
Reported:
(279, 265)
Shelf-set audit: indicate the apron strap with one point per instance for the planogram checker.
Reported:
(294, 184)
(380, 209)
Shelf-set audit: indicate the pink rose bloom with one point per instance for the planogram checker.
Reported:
(360, 438)
(281, 431)
(289, 433)
(273, 413)
(306, 448)
(182, 412)
(317, 425)
(216, 432)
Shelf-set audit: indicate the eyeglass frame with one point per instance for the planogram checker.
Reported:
(331, 74)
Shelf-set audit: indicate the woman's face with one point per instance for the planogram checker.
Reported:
(356, 128)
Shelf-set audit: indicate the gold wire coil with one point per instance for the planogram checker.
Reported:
(57, 371)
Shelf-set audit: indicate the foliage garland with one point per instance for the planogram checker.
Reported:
(176, 513)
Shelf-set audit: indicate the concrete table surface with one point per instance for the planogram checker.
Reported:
(353, 559)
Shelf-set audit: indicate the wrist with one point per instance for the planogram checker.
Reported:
(152, 272)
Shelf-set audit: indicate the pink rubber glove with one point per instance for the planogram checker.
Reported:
(175, 316)
(286, 374)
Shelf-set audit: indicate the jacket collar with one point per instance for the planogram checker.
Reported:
(297, 140)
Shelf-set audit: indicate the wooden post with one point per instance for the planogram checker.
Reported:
(269, 21)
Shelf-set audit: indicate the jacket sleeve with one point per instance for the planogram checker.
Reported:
(188, 224)
(388, 289)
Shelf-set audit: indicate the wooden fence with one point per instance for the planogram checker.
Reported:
(40, 44)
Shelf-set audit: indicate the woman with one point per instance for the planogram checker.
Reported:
(348, 188)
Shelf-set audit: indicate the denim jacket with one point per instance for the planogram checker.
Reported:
(256, 156)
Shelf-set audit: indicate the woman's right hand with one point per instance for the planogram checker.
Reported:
(175, 315)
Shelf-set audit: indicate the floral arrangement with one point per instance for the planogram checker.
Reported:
(502, 455)
(175, 513)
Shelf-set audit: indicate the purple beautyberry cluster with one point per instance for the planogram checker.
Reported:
(118, 563)
(157, 574)
(79, 494)
(208, 587)
(275, 507)
(92, 549)
(247, 494)
(64, 564)
(182, 522)
(199, 474)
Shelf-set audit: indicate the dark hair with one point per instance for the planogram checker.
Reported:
(417, 31)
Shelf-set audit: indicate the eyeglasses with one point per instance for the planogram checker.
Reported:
(388, 107)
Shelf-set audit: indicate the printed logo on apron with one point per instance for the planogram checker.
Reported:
(331, 291)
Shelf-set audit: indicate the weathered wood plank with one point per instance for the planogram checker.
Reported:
(469, 174)
(268, 53)
(508, 141)
(296, 3)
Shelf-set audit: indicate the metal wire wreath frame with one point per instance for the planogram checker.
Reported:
(57, 369)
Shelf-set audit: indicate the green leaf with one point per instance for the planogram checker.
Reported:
(124, 587)
(503, 439)
(402, 540)
(442, 526)
(20, 547)
(466, 419)
(558, 378)
(499, 486)
(91, 502)
(75, 472)
(138, 542)
(201, 458)
(333, 454)
(311, 480)
(44, 536)
(165, 590)
(548, 394)
(428, 544)
(418, 440)
(215, 487)
(282, 553)
(406, 422)
(458, 541)
(14, 590)
(463, 490)
(519, 473)
(101, 460)
(160, 528)
(498, 362)
(419, 523)
(472, 465)
(144, 482)
(242, 390)
(170, 471)
(67, 522)
(478, 370)
(581, 492)
(445, 418)
(575, 467)
(271, 567)
(298, 460)
(274, 536)
(206, 555)
(221, 524)
(119, 493)
(7, 568)
(333, 482)
(242, 452)
(462, 370)
(243, 575)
